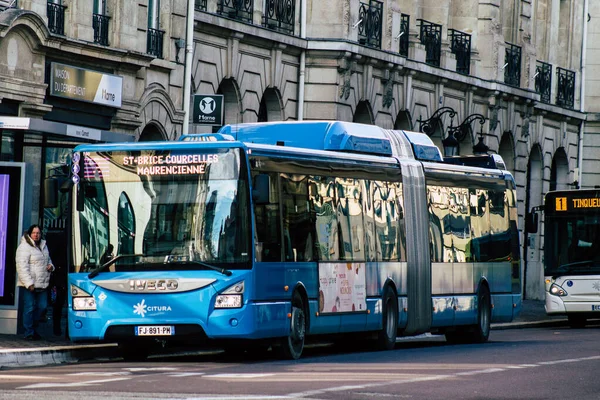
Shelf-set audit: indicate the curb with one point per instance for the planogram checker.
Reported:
(40, 356)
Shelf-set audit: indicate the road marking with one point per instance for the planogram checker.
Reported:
(437, 377)
(72, 384)
(185, 374)
(142, 369)
(99, 374)
(238, 376)
(28, 377)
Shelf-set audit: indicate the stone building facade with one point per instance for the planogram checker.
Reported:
(509, 73)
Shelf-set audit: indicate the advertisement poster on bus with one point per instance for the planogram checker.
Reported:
(342, 287)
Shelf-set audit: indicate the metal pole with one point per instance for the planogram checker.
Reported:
(187, 77)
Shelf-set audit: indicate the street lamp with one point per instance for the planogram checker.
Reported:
(450, 145)
(463, 130)
(480, 147)
(430, 125)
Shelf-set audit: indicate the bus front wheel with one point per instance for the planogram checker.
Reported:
(291, 347)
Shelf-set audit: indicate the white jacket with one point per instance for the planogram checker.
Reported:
(32, 262)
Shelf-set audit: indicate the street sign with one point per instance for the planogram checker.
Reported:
(208, 109)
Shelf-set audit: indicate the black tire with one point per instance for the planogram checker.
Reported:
(292, 346)
(577, 321)
(480, 332)
(386, 337)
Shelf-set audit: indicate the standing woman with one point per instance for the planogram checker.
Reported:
(34, 268)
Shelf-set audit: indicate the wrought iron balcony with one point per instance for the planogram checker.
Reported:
(512, 65)
(280, 15)
(460, 45)
(369, 28)
(200, 5)
(565, 91)
(543, 80)
(56, 18)
(100, 25)
(403, 38)
(431, 37)
(236, 9)
(154, 44)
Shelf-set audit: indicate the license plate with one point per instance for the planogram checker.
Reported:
(155, 330)
(595, 307)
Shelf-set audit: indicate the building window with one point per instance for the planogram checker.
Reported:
(431, 37)
(154, 40)
(403, 35)
(512, 65)
(200, 5)
(100, 23)
(280, 15)
(565, 91)
(241, 10)
(56, 17)
(369, 29)
(543, 80)
(460, 45)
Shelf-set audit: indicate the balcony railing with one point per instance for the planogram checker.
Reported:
(512, 65)
(460, 45)
(543, 80)
(403, 38)
(565, 91)
(154, 44)
(200, 5)
(56, 18)
(241, 10)
(369, 28)
(280, 15)
(431, 37)
(100, 25)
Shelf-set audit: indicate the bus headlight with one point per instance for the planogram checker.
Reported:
(232, 297)
(557, 290)
(82, 300)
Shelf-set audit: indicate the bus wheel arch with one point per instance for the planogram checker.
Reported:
(386, 337)
(292, 346)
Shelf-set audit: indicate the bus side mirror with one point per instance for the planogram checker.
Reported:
(50, 192)
(531, 222)
(261, 192)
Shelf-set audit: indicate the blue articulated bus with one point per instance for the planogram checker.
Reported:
(269, 235)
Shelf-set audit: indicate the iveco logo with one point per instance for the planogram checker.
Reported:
(151, 285)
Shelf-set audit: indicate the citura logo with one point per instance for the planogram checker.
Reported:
(561, 204)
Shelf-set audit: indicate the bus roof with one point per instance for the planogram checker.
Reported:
(337, 136)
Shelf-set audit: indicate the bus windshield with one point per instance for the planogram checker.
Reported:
(162, 210)
(572, 244)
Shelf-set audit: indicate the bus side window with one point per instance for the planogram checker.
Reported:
(268, 226)
(298, 218)
(322, 197)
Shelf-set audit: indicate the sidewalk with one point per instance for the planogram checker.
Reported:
(16, 352)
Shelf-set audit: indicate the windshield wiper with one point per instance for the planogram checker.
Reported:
(110, 262)
(224, 271)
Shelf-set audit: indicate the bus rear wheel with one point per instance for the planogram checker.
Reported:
(386, 338)
(480, 332)
(291, 347)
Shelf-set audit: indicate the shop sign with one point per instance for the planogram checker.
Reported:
(83, 133)
(85, 85)
(14, 123)
(208, 109)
